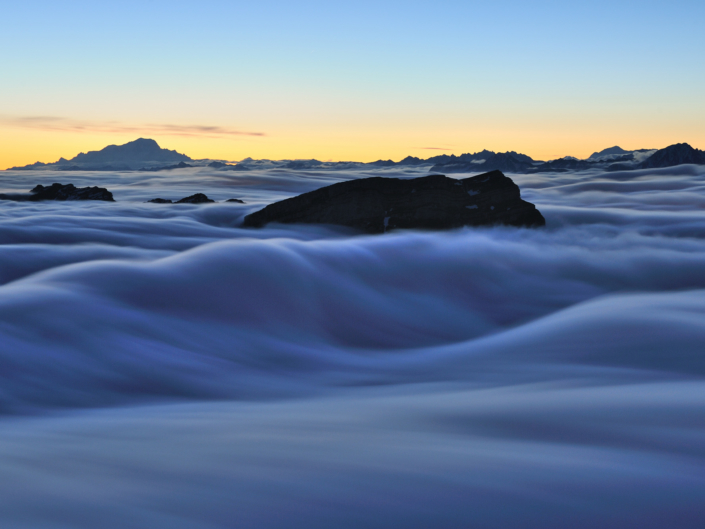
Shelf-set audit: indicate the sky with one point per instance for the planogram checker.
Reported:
(349, 81)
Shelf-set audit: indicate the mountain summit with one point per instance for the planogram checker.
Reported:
(138, 151)
(605, 154)
(677, 154)
(142, 152)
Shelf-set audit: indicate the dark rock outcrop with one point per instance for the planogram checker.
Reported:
(198, 198)
(61, 192)
(237, 200)
(377, 205)
(677, 154)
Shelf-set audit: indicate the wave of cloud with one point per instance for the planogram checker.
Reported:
(62, 124)
(181, 301)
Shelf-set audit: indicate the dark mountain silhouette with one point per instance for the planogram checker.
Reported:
(563, 165)
(521, 157)
(510, 162)
(385, 163)
(146, 155)
(607, 152)
(411, 160)
(482, 161)
(141, 150)
(133, 155)
(378, 205)
(677, 154)
(30, 167)
(467, 157)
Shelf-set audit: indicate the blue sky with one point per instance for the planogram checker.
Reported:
(317, 76)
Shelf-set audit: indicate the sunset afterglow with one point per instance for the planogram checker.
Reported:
(362, 82)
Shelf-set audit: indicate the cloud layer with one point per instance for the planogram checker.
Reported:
(481, 377)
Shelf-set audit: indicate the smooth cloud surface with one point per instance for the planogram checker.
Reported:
(483, 377)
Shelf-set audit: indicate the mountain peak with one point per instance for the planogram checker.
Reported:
(680, 153)
(609, 152)
(136, 152)
(142, 152)
(145, 142)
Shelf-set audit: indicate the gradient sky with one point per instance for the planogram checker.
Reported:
(349, 81)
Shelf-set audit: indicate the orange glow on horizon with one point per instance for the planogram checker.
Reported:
(25, 146)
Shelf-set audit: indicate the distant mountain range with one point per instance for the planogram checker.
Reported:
(146, 155)
(612, 159)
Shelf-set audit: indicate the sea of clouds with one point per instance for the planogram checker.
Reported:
(160, 366)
